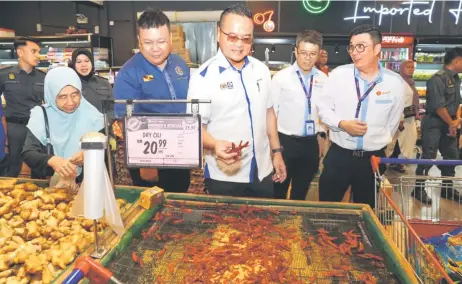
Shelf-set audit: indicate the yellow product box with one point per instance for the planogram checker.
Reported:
(151, 197)
(176, 29)
(177, 45)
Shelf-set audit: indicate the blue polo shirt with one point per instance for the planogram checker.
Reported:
(139, 79)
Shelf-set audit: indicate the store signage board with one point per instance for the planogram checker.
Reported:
(264, 19)
(315, 7)
(163, 141)
(403, 40)
(410, 9)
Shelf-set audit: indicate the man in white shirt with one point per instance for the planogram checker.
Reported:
(295, 91)
(362, 106)
(241, 110)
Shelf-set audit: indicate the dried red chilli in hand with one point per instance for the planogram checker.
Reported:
(238, 149)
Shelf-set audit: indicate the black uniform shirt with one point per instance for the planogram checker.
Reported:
(443, 90)
(22, 91)
(96, 89)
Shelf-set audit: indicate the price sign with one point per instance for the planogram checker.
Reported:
(162, 141)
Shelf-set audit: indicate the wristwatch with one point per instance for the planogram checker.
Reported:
(277, 150)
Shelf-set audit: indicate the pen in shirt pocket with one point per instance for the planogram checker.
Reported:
(258, 84)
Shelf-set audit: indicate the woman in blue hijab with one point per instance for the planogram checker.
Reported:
(70, 117)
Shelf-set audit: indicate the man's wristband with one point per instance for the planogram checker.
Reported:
(277, 150)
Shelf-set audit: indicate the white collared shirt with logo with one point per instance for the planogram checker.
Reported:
(240, 100)
(290, 101)
(381, 110)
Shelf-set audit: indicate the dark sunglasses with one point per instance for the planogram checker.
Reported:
(234, 38)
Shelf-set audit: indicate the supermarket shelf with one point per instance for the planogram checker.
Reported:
(108, 69)
(392, 60)
(429, 66)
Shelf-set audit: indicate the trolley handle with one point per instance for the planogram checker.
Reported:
(85, 266)
(375, 161)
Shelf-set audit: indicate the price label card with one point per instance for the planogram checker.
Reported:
(163, 141)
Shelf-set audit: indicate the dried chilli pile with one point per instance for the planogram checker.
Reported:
(249, 245)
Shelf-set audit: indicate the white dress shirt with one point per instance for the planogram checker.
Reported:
(381, 109)
(240, 100)
(290, 101)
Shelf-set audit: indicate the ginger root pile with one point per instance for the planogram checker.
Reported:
(38, 238)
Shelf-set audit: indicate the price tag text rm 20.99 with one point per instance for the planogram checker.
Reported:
(153, 147)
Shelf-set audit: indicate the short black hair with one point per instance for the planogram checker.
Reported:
(374, 32)
(452, 54)
(310, 36)
(152, 18)
(236, 9)
(22, 41)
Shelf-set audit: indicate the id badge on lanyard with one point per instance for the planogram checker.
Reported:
(309, 129)
(363, 97)
(358, 106)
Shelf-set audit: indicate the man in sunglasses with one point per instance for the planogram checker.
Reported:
(362, 106)
(241, 110)
(295, 91)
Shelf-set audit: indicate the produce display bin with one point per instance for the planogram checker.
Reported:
(191, 239)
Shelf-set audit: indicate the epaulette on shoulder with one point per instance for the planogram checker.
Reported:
(5, 68)
(440, 72)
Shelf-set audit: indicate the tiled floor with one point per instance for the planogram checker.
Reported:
(441, 209)
(403, 184)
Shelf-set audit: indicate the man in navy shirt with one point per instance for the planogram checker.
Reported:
(155, 73)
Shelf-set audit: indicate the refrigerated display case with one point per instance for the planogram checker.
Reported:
(395, 49)
(57, 50)
(429, 57)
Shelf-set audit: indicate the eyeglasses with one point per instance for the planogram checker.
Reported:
(307, 54)
(234, 38)
(359, 48)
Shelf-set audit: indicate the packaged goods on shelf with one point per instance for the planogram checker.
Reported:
(178, 43)
(183, 53)
(176, 31)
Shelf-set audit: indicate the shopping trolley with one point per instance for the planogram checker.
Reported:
(406, 220)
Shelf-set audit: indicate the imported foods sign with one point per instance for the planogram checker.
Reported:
(410, 9)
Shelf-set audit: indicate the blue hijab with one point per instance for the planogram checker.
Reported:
(66, 129)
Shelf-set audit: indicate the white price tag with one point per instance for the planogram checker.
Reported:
(163, 141)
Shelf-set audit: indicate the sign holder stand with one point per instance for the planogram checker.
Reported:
(108, 106)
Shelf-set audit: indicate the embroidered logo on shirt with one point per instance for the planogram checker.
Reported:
(379, 93)
(227, 85)
(11, 76)
(147, 78)
(178, 70)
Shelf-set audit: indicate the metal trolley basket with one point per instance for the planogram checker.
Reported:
(407, 220)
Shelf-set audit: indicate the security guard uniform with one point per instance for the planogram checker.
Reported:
(22, 92)
(95, 90)
(443, 90)
(139, 79)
